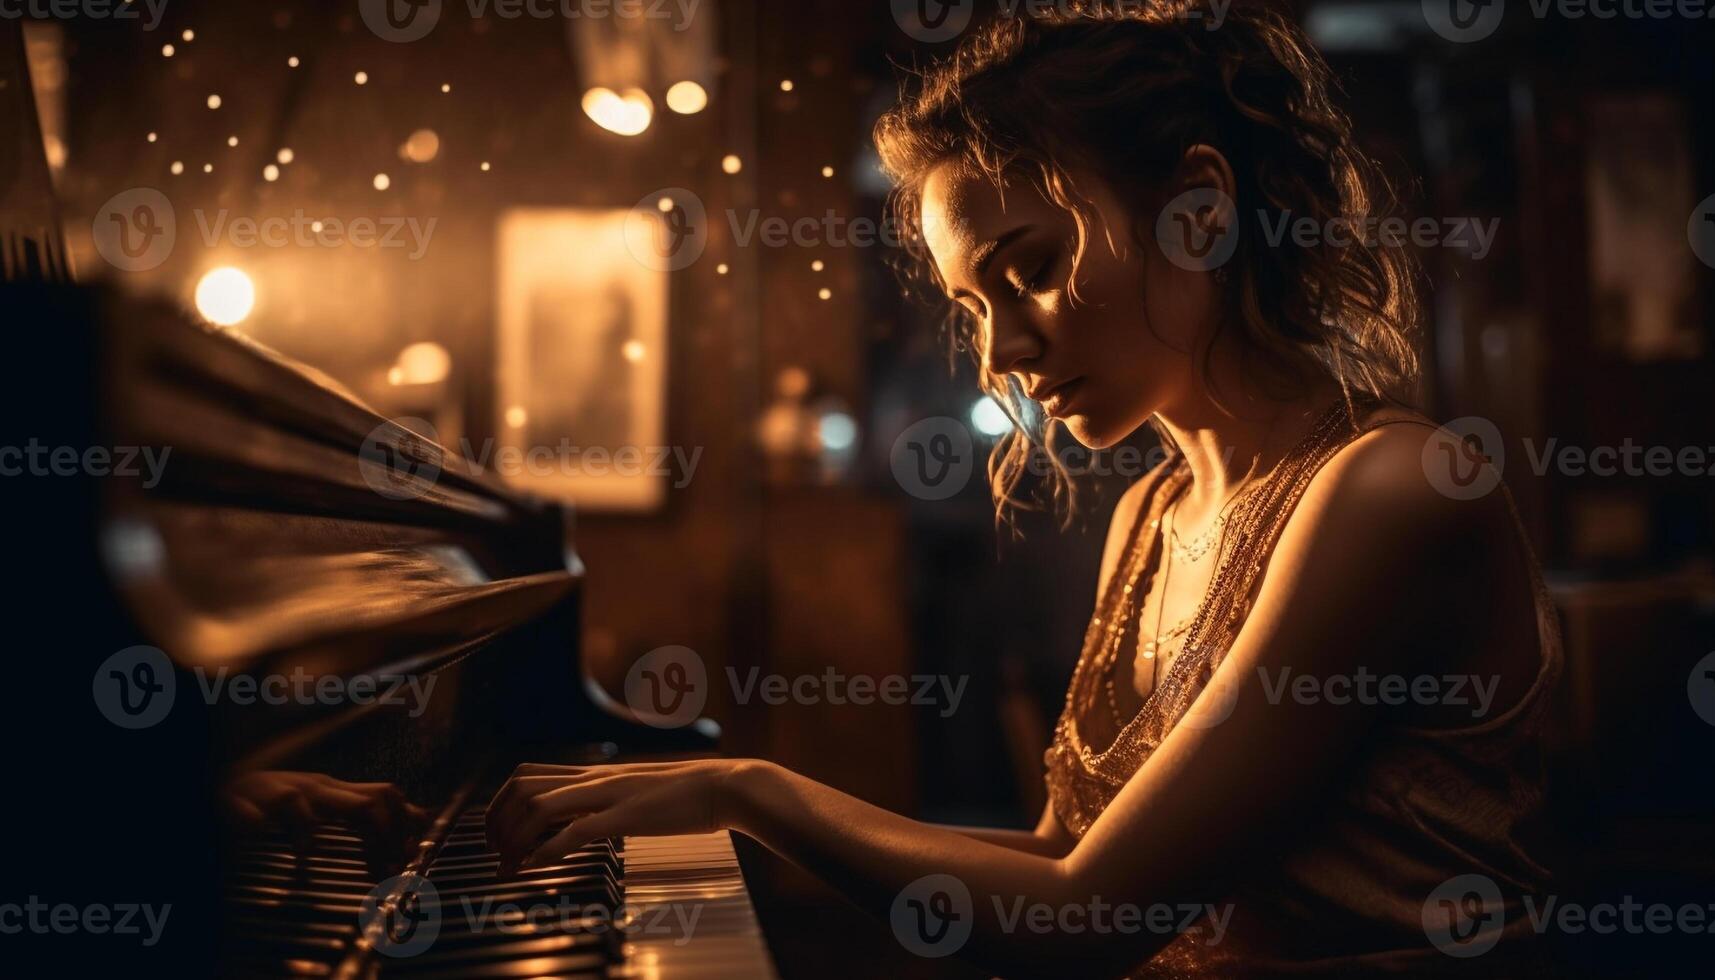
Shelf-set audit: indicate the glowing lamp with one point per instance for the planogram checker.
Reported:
(225, 295)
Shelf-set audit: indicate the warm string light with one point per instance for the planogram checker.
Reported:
(687, 98)
(421, 146)
(627, 114)
(422, 363)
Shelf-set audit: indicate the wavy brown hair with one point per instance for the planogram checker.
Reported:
(1122, 94)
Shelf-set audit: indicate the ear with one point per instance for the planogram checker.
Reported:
(1197, 228)
(1203, 166)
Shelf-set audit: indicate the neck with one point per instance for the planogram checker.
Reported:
(1226, 447)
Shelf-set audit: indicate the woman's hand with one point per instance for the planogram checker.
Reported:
(579, 804)
(298, 803)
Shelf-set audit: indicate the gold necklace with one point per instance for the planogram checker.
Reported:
(1124, 612)
(1205, 540)
(1201, 544)
(1153, 647)
(1082, 778)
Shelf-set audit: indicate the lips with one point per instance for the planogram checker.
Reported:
(1055, 399)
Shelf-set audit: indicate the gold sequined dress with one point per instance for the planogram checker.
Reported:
(1420, 807)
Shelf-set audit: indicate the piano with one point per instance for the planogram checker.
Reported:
(273, 678)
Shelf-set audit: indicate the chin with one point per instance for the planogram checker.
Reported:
(1096, 431)
(1090, 433)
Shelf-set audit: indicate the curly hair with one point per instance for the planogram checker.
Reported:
(1121, 92)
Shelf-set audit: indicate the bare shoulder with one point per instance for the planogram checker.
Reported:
(1384, 549)
(1375, 530)
(1385, 482)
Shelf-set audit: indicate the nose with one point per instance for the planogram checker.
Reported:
(1010, 343)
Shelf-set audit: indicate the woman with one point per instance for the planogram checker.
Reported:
(1308, 699)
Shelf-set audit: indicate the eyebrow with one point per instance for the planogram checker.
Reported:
(986, 252)
(983, 254)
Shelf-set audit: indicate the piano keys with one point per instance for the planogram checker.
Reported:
(324, 836)
(641, 907)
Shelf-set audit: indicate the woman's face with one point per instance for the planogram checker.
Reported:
(1102, 363)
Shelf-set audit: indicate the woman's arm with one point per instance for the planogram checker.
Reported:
(1049, 839)
(1370, 552)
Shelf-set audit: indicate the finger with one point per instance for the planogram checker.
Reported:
(547, 810)
(335, 801)
(530, 770)
(545, 769)
(612, 822)
(509, 805)
(522, 827)
(539, 768)
(503, 811)
(557, 846)
(247, 813)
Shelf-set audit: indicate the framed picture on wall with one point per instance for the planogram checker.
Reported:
(580, 359)
(1640, 187)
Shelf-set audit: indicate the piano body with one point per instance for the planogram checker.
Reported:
(405, 621)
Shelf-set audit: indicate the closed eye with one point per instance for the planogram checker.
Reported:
(1033, 282)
